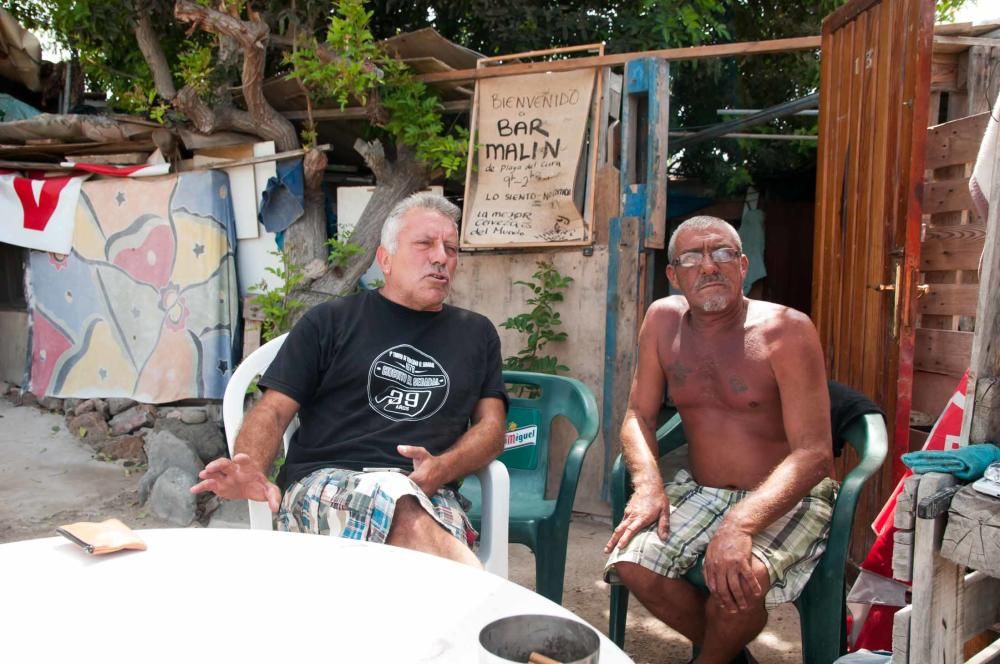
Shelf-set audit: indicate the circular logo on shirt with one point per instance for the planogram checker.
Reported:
(406, 384)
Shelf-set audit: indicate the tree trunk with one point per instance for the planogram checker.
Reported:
(395, 180)
(305, 240)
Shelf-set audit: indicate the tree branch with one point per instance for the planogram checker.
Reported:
(209, 120)
(374, 155)
(152, 52)
(252, 36)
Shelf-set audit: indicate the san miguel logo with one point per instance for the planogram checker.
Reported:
(520, 437)
(406, 384)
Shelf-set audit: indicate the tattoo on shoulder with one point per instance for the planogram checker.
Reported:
(677, 372)
(737, 384)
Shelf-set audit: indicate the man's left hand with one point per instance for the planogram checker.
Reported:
(728, 571)
(426, 468)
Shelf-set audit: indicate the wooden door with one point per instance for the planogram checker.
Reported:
(874, 89)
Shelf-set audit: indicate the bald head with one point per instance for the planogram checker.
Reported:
(703, 223)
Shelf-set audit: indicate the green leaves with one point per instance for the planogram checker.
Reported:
(195, 67)
(350, 75)
(277, 304)
(540, 323)
(342, 249)
(414, 111)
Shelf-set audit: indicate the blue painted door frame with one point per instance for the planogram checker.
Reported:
(640, 229)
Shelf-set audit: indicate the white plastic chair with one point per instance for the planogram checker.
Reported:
(494, 477)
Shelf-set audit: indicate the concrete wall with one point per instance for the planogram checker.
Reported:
(13, 345)
(485, 283)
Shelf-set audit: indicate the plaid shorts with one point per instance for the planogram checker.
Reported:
(790, 547)
(359, 505)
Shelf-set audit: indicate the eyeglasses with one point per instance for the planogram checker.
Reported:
(696, 258)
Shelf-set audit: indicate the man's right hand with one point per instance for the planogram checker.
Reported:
(644, 507)
(238, 478)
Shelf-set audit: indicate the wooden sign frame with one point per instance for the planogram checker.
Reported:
(587, 162)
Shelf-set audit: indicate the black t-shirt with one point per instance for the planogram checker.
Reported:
(370, 374)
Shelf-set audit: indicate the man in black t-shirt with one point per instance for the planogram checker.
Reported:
(398, 396)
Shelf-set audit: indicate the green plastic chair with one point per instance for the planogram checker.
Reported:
(822, 607)
(542, 525)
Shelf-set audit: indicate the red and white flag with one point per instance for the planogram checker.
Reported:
(140, 171)
(39, 213)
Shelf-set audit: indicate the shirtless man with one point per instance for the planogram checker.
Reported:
(749, 381)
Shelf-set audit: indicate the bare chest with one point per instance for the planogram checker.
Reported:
(731, 373)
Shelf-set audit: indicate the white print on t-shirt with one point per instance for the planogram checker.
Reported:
(407, 384)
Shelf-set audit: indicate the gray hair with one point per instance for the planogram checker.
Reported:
(422, 199)
(702, 223)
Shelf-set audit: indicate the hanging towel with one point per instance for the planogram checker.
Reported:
(966, 463)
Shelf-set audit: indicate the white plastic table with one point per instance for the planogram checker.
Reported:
(217, 595)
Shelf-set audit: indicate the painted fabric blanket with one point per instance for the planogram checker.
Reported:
(145, 305)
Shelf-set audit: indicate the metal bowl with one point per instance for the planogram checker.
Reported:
(514, 638)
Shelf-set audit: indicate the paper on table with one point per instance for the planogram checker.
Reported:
(104, 537)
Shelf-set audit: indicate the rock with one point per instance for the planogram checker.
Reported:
(214, 412)
(28, 399)
(89, 426)
(5, 387)
(102, 408)
(69, 406)
(165, 450)
(207, 438)
(188, 415)
(230, 514)
(116, 406)
(128, 448)
(193, 416)
(85, 406)
(171, 498)
(52, 403)
(141, 415)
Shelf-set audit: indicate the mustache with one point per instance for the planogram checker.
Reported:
(711, 279)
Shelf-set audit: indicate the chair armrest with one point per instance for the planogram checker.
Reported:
(494, 523)
(869, 436)
(669, 437)
(621, 489)
(571, 477)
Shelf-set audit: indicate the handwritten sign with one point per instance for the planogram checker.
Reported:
(530, 133)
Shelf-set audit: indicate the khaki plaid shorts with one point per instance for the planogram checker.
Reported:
(790, 547)
(360, 505)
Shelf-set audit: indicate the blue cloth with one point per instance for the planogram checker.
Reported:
(283, 200)
(12, 108)
(966, 463)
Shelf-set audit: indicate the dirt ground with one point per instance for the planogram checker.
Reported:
(49, 478)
